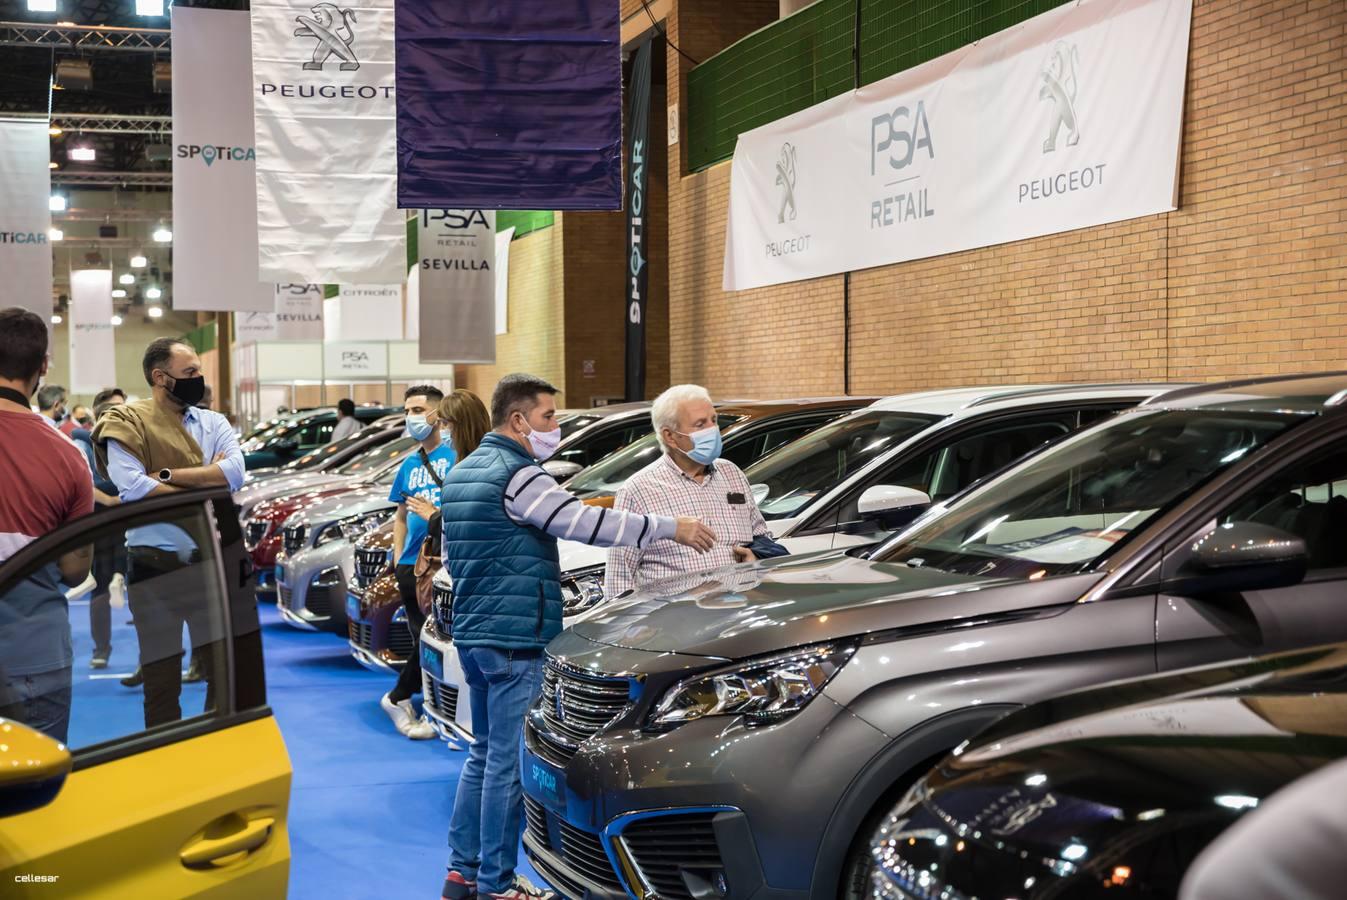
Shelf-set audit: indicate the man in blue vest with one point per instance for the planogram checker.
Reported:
(503, 515)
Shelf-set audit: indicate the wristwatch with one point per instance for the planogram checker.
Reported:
(165, 475)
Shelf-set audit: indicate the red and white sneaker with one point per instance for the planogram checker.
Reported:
(522, 889)
(456, 887)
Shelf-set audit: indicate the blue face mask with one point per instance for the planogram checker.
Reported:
(706, 445)
(419, 428)
(446, 436)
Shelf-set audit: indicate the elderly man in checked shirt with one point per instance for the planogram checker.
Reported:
(689, 479)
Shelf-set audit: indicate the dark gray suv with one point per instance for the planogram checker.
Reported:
(741, 734)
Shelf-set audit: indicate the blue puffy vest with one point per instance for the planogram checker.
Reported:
(507, 587)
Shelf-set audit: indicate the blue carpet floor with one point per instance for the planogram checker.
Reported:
(368, 808)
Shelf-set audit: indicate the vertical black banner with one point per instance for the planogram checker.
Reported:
(638, 153)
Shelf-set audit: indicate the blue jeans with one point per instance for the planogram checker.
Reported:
(43, 701)
(487, 823)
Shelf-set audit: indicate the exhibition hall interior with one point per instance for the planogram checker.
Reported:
(673, 449)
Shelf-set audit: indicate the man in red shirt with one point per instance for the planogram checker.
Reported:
(44, 483)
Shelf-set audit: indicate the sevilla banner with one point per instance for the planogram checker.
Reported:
(323, 102)
(25, 214)
(93, 362)
(214, 168)
(638, 272)
(297, 315)
(509, 105)
(1069, 120)
(458, 285)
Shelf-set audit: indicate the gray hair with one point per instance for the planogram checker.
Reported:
(664, 411)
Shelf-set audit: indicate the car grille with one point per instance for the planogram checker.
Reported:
(369, 565)
(361, 634)
(257, 532)
(400, 640)
(582, 850)
(294, 539)
(573, 708)
(322, 599)
(444, 610)
(444, 698)
(666, 846)
(284, 595)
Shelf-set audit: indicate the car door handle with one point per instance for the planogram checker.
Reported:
(205, 852)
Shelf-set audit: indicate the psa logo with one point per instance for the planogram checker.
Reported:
(330, 26)
(354, 358)
(451, 220)
(209, 153)
(298, 290)
(905, 127)
(1059, 86)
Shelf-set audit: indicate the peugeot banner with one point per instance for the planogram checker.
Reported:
(25, 214)
(458, 285)
(1072, 119)
(323, 100)
(214, 169)
(297, 315)
(638, 272)
(509, 105)
(93, 362)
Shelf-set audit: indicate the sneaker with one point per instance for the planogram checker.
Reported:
(194, 672)
(422, 730)
(405, 719)
(135, 679)
(100, 661)
(456, 887)
(522, 889)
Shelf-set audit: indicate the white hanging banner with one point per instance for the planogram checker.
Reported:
(503, 239)
(25, 214)
(214, 173)
(326, 143)
(252, 327)
(458, 285)
(93, 361)
(411, 312)
(355, 359)
(297, 316)
(368, 312)
(1071, 119)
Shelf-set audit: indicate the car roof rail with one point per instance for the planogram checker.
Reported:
(1041, 389)
(1216, 386)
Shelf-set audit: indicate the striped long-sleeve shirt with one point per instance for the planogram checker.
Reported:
(534, 498)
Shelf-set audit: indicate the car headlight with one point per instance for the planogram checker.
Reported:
(762, 691)
(582, 590)
(352, 527)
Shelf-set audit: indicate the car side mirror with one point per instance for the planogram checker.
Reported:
(891, 505)
(1243, 556)
(562, 469)
(33, 768)
(289, 445)
(760, 493)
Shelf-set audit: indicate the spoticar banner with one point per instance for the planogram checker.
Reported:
(638, 270)
(512, 105)
(93, 361)
(323, 101)
(1072, 119)
(457, 266)
(25, 214)
(214, 165)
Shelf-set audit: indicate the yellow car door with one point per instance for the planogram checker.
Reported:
(168, 789)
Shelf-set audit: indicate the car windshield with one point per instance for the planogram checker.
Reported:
(611, 472)
(316, 458)
(1070, 507)
(377, 458)
(570, 424)
(817, 462)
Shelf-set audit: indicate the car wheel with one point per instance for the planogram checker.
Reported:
(859, 863)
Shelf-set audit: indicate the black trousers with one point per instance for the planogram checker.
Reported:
(165, 593)
(409, 679)
(109, 559)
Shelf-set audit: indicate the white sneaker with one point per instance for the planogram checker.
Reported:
(405, 719)
(422, 730)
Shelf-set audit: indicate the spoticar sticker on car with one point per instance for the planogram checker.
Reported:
(352, 606)
(545, 781)
(432, 660)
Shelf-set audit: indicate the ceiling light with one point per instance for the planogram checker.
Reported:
(138, 262)
(154, 293)
(1237, 801)
(56, 320)
(42, 5)
(149, 7)
(119, 293)
(155, 312)
(126, 278)
(82, 154)
(55, 131)
(56, 203)
(74, 75)
(53, 165)
(163, 235)
(116, 320)
(56, 234)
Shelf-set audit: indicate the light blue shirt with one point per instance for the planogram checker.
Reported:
(214, 436)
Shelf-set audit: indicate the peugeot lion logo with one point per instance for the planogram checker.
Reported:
(1059, 86)
(785, 177)
(561, 701)
(331, 28)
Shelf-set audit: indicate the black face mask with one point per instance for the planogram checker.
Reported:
(188, 391)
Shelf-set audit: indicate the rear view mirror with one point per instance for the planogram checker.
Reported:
(33, 767)
(891, 505)
(562, 469)
(1244, 556)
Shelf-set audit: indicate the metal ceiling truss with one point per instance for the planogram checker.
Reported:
(113, 179)
(84, 37)
(95, 123)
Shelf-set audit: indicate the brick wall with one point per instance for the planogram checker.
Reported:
(1249, 276)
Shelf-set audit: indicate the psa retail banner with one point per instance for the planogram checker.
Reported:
(25, 214)
(323, 101)
(509, 105)
(297, 315)
(458, 285)
(638, 272)
(1072, 119)
(363, 359)
(214, 165)
(93, 362)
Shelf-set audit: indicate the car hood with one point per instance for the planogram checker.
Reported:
(763, 607)
(264, 489)
(350, 503)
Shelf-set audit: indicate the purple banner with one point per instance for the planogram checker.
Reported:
(512, 105)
